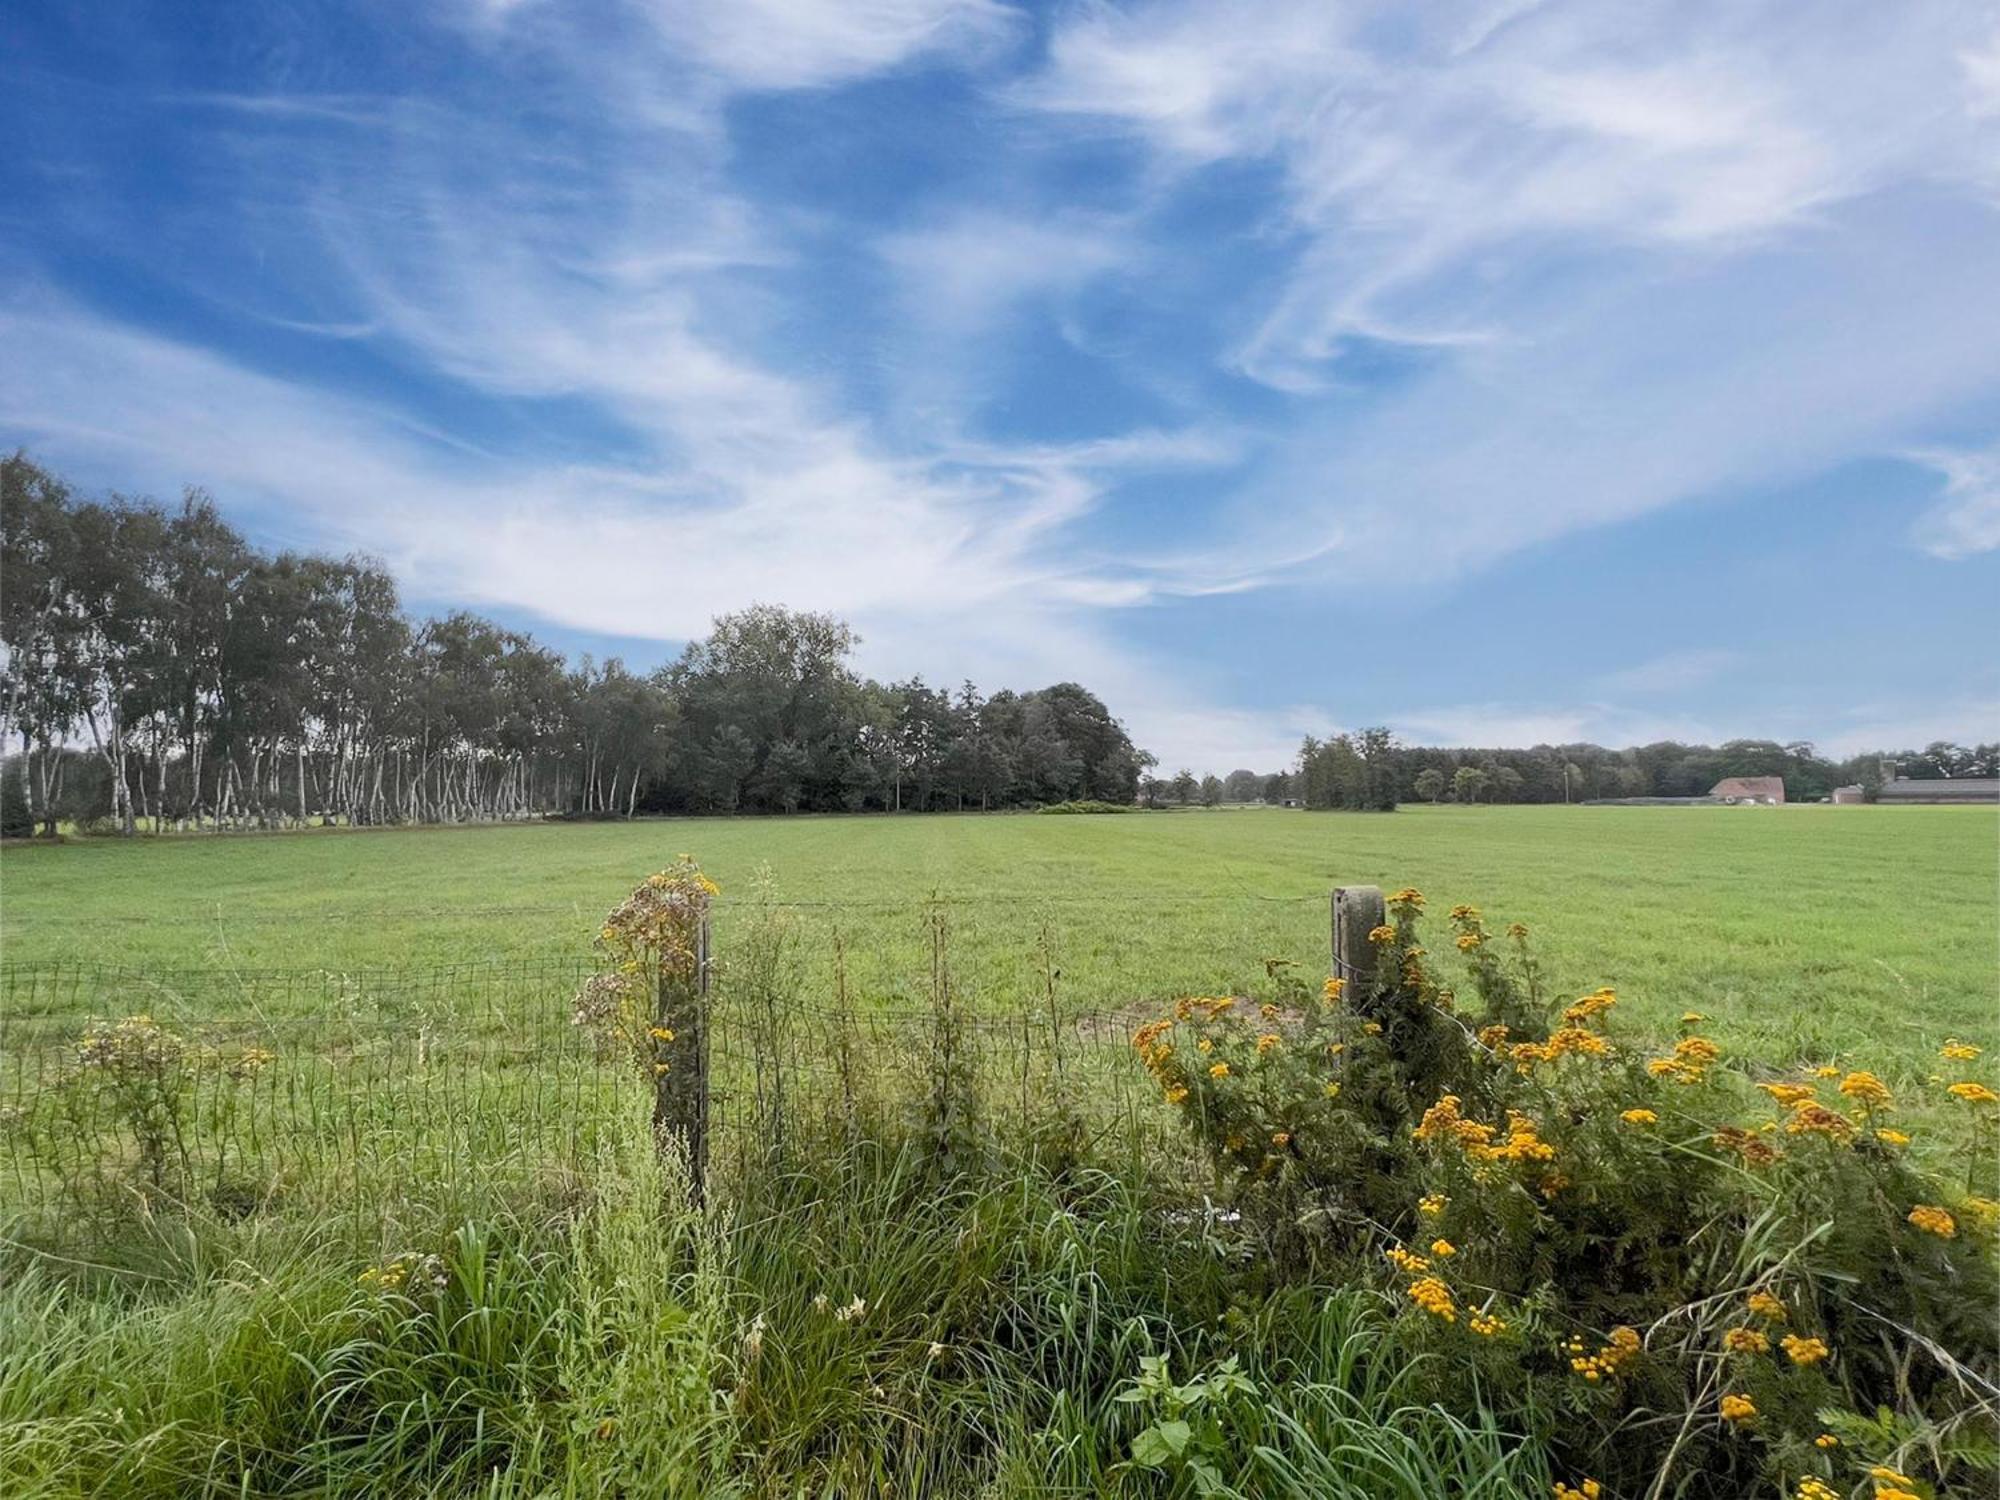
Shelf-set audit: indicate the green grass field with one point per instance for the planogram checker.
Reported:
(1813, 931)
(913, 1307)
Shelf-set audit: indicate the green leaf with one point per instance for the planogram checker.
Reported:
(1150, 1450)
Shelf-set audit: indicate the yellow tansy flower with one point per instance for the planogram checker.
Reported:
(1740, 1410)
(1804, 1351)
(1933, 1220)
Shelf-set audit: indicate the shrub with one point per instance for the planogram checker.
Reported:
(1671, 1262)
(140, 1109)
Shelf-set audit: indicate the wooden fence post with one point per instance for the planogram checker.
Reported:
(1357, 911)
(680, 1091)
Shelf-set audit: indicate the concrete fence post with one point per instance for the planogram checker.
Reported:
(1357, 911)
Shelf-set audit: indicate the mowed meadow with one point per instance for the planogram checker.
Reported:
(1806, 931)
(325, 1170)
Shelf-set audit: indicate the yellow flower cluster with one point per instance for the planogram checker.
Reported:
(136, 1043)
(1934, 1220)
(1408, 896)
(1569, 1041)
(1745, 1341)
(1493, 1037)
(1981, 1214)
(1891, 1484)
(1804, 1351)
(1432, 1204)
(1406, 1261)
(1692, 1058)
(1480, 1142)
(1892, 1137)
(1973, 1093)
(1467, 941)
(1815, 1489)
(1740, 1410)
(1434, 1297)
(249, 1062)
(1268, 1042)
(1486, 1325)
(1523, 1143)
(1639, 1117)
(1791, 1095)
(1588, 1489)
(1817, 1119)
(1954, 1050)
(1149, 1041)
(1593, 1004)
(1619, 1349)
(1330, 992)
(1383, 934)
(1443, 1249)
(1866, 1090)
(1219, 1070)
(1767, 1307)
(386, 1277)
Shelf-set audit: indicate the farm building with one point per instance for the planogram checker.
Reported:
(1951, 790)
(1768, 791)
(1850, 796)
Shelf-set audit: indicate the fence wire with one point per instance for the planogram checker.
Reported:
(357, 1095)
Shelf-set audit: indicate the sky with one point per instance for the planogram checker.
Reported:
(1501, 372)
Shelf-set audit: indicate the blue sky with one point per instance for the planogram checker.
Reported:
(1497, 371)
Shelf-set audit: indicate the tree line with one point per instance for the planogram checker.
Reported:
(1369, 771)
(161, 671)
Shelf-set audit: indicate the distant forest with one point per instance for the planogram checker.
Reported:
(160, 671)
(1369, 771)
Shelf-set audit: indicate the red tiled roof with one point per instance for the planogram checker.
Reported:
(1749, 786)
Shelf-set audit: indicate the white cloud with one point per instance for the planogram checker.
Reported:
(1634, 254)
(1663, 125)
(1496, 725)
(789, 44)
(962, 274)
(1982, 76)
(1673, 672)
(1911, 726)
(1966, 519)
(947, 569)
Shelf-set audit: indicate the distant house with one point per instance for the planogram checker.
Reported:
(1961, 791)
(1849, 796)
(1768, 791)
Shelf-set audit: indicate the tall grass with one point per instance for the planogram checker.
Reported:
(862, 1322)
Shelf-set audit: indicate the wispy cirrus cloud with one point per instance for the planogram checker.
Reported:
(1966, 518)
(1038, 344)
(1672, 672)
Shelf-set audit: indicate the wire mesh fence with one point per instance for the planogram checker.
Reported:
(354, 1095)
